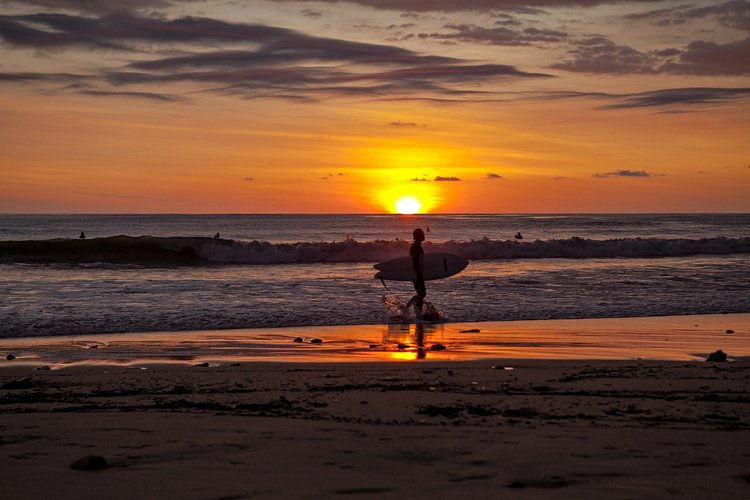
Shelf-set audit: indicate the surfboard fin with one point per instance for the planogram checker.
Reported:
(380, 277)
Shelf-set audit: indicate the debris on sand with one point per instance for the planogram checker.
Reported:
(718, 355)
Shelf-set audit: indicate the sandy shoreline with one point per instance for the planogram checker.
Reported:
(545, 428)
(678, 338)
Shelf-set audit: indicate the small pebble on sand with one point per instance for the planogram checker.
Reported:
(90, 462)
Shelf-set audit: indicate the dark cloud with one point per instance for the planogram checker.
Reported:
(416, 6)
(708, 58)
(418, 179)
(493, 176)
(625, 173)
(734, 14)
(266, 61)
(446, 179)
(496, 36)
(685, 96)
(140, 95)
(29, 77)
(598, 54)
(94, 6)
(111, 31)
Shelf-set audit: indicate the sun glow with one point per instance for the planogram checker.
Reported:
(408, 205)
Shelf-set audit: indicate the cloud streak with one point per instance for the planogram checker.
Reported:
(692, 96)
(500, 35)
(258, 61)
(470, 5)
(626, 173)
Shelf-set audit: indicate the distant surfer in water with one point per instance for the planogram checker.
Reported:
(417, 259)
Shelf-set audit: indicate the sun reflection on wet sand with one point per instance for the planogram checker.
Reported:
(666, 338)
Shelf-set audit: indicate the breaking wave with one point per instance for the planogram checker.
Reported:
(149, 250)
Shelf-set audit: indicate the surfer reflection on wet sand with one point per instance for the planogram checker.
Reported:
(421, 352)
(403, 341)
(417, 257)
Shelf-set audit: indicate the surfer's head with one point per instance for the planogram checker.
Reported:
(418, 235)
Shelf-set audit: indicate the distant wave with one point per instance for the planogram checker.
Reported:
(149, 250)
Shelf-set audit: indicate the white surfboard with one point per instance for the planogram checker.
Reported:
(436, 266)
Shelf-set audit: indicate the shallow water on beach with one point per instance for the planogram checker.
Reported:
(656, 338)
(59, 300)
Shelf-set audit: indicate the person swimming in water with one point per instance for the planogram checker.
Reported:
(417, 258)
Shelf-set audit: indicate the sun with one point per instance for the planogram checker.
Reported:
(408, 205)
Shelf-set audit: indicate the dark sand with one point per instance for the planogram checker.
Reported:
(560, 429)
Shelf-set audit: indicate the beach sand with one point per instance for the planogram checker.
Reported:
(506, 428)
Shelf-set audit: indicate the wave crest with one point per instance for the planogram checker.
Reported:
(145, 250)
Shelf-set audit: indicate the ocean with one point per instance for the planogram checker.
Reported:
(148, 273)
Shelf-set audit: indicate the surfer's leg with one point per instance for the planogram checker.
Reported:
(421, 290)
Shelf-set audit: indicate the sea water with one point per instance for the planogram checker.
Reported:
(140, 273)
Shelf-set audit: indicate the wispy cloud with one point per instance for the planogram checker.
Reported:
(734, 14)
(418, 6)
(627, 173)
(96, 6)
(685, 96)
(258, 61)
(446, 179)
(498, 35)
(139, 95)
(493, 176)
(400, 124)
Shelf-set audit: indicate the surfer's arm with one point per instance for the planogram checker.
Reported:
(418, 263)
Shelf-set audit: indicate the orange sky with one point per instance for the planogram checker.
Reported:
(343, 107)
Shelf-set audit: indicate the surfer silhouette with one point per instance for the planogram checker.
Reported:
(417, 259)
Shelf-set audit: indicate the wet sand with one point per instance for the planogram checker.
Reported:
(516, 428)
(674, 338)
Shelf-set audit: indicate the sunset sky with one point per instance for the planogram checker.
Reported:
(471, 106)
